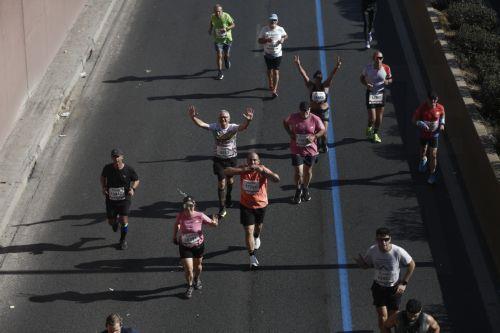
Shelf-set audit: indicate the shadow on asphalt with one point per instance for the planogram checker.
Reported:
(131, 78)
(234, 94)
(40, 248)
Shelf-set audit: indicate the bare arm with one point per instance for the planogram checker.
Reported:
(301, 69)
(329, 79)
(274, 177)
(193, 114)
(287, 129)
(231, 171)
(433, 325)
(409, 271)
(248, 118)
(133, 186)
(210, 27)
(104, 186)
(360, 260)
(176, 230)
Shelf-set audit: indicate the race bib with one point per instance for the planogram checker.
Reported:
(116, 193)
(433, 125)
(375, 98)
(302, 140)
(385, 278)
(190, 240)
(318, 96)
(251, 186)
(221, 33)
(224, 152)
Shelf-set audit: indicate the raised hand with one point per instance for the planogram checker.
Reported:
(192, 111)
(248, 114)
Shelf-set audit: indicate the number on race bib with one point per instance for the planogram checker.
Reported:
(251, 186)
(224, 152)
(116, 193)
(375, 98)
(318, 96)
(190, 240)
(302, 140)
(220, 33)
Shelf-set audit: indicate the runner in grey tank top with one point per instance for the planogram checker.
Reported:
(412, 320)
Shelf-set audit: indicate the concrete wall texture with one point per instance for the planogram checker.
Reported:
(31, 32)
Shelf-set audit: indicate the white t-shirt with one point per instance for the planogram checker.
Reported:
(273, 49)
(386, 264)
(225, 140)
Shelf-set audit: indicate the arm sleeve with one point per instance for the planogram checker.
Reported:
(319, 124)
(388, 71)
(133, 175)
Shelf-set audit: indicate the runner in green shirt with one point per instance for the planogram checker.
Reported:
(221, 24)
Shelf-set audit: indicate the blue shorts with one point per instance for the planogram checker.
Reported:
(431, 142)
(222, 47)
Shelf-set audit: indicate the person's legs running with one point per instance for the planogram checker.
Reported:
(366, 20)
(227, 55)
(422, 166)
(197, 268)
(276, 78)
(433, 161)
(249, 241)
(382, 316)
(270, 79)
(221, 192)
(379, 115)
(229, 188)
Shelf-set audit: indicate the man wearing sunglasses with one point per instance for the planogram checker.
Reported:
(225, 151)
(387, 288)
(221, 24)
(375, 77)
(430, 119)
(412, 320)
(272, 36)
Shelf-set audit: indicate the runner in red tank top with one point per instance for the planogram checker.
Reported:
(253, 200)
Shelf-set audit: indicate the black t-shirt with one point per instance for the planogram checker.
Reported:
(118, 181)
(369, 4)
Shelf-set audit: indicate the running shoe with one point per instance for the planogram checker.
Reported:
(254, 263)
(432, 178)
(274, 94)
(222, 212)
(370, 37)
(227, 62)
(123, 245)
(306, 196)
(256, 242)
(369, 132)
(376, 138)
(422, 166)
(297, 198)
(220, 75)
(367, 44)
(197, 284)
(189, 292)
(114, 226)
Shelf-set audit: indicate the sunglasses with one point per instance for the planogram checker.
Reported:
(273, 21)
(380, 58)
(385, 239)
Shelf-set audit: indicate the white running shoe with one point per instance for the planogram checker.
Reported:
(256, 242)
(254, 263)
(370, 37)
(368, 44)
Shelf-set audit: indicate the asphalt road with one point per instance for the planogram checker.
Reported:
(60, 269)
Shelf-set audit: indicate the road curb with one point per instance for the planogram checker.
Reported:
(42, 111)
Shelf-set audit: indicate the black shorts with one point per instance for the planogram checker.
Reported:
(324, 115)
(221, 163)
(249, 216)
(191, 252)
(374, 106)
(273, 62)
(431, 142)
(115, 208)
(307, 160)
(385, 296)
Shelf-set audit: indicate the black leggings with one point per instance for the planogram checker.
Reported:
(368, 19)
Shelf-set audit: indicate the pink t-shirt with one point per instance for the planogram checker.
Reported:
(190, 234)
(302, 128)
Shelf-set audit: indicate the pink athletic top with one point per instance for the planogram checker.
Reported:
(190, 234)
(302, 128)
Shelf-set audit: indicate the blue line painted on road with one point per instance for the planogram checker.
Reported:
(337, 212)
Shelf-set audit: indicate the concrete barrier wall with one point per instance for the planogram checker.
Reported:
(478, 175)
(31, 32)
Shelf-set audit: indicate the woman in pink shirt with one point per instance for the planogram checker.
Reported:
(189, 236)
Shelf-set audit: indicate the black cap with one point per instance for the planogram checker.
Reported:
(304, 106)
(413, 306)
(432, 95)
(116, 152)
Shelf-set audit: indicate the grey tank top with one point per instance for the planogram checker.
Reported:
(420, 326)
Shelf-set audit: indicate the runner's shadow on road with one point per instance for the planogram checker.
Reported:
(345, 141)
(189, 159)
(40, 248)
(331, 47)
(235, 94)
(132, 78)
(115, 295)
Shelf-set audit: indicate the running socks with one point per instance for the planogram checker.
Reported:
(124, 230)
(229, 189)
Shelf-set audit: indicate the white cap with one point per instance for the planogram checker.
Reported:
(273, 17)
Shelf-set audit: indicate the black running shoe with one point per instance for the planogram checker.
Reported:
(220, 75)
(189, 292)
(227, 62)
(197, 284)
(297, 198)
(306, 196)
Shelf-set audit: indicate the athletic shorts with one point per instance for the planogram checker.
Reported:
(324, 115)
(220, 164)
(272, 62)
(251, 216)
(385, 296)
(115, 208)
(222, 47)
(191, 252)
(431, 142)
(307, 160)
(374, 106)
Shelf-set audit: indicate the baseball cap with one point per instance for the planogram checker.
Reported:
(304, 106)
(273, 17)
(116, 152)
